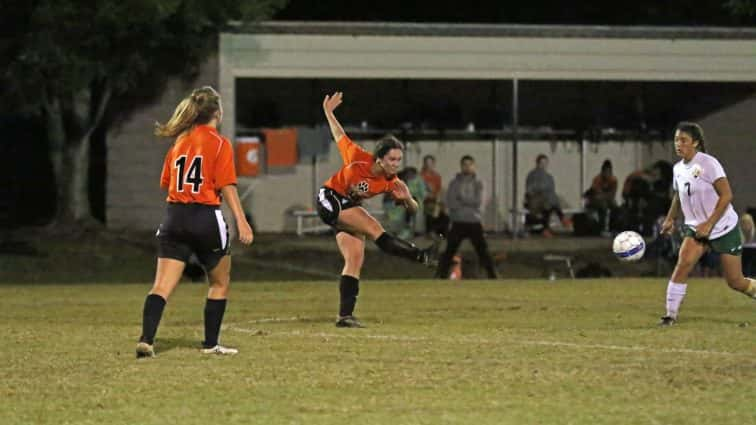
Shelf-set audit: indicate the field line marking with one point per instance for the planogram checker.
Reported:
(638, 348)
(629, 348)
(280, 319)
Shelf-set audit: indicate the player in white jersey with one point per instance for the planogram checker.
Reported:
(703, 194)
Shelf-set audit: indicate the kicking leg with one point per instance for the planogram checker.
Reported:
(357, 220)
(732, 269)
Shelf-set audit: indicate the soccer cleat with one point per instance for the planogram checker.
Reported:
(220, 350)
(144, 350)
(429, 255)
(667, 321)
(348, 322)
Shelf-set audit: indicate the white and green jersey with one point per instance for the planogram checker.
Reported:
(694, 183)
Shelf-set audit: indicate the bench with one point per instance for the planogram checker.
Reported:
(566, 259)
(517, 218)
(308, 221)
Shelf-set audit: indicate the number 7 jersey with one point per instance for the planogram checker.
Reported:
(694, 183)
(197, 166)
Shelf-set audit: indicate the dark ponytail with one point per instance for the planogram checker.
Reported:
(695, 131)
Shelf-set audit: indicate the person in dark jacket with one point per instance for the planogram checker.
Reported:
(464, 197)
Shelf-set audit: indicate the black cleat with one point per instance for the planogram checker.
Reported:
(667, 321)
(348, 322)
(429, 256)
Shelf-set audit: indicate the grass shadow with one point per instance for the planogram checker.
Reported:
(724, 321)
(168, 344)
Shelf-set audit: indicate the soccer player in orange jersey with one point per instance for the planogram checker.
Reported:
(363, 176)
(198, 173)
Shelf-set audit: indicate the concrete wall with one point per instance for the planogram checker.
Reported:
(731, 137)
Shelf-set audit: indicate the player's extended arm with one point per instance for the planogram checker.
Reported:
(231, 196)
(722, 187)
(330, 103)
(672, 214)
(402, 194)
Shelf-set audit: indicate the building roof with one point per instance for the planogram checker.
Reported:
(493, 30)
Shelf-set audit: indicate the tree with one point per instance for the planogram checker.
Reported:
(66, 60)
(745, 9)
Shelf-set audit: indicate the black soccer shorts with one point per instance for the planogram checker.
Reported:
(330, 203)
(193, 229)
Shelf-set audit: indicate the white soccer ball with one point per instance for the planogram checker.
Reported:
(629, 246)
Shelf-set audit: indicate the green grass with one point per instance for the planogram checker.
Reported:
(510, 352)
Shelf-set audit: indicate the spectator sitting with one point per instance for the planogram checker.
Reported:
(399, 220)
(646, 196)
(419, 192)
(601, 196)
(661, 189)
(541, 199)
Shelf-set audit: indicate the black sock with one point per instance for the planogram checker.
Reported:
(392, 245)
(349, 288)
(153, 311)
(214, 310)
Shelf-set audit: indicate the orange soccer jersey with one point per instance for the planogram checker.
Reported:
(354, 179)
(197, 166)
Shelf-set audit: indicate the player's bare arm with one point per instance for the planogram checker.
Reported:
(330, 103)
(722, 187)
(231, 196)
(402, 194)
(672, 214)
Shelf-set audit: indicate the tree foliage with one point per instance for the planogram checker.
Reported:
(65, 60)
(745, 9)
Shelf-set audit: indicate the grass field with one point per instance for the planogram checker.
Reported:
(509, 352)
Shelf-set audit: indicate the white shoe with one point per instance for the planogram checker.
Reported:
(219, 349)
(144, 350)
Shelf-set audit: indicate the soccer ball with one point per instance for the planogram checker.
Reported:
(629, 246)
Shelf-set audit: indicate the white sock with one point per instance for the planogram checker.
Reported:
(751, 290)
(675, 295)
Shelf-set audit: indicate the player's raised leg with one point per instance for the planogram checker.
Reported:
(733, 273)
(358, 220)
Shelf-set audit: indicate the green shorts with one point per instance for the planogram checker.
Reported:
(729, 243)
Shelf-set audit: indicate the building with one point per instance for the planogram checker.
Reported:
(513, 55)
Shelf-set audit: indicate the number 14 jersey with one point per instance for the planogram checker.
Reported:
(197, 166)
(694, 183)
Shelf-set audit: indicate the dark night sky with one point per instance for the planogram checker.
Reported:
(640, 12)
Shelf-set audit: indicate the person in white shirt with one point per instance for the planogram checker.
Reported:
(703, 194)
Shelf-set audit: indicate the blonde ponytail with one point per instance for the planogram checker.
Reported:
(198, 108)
